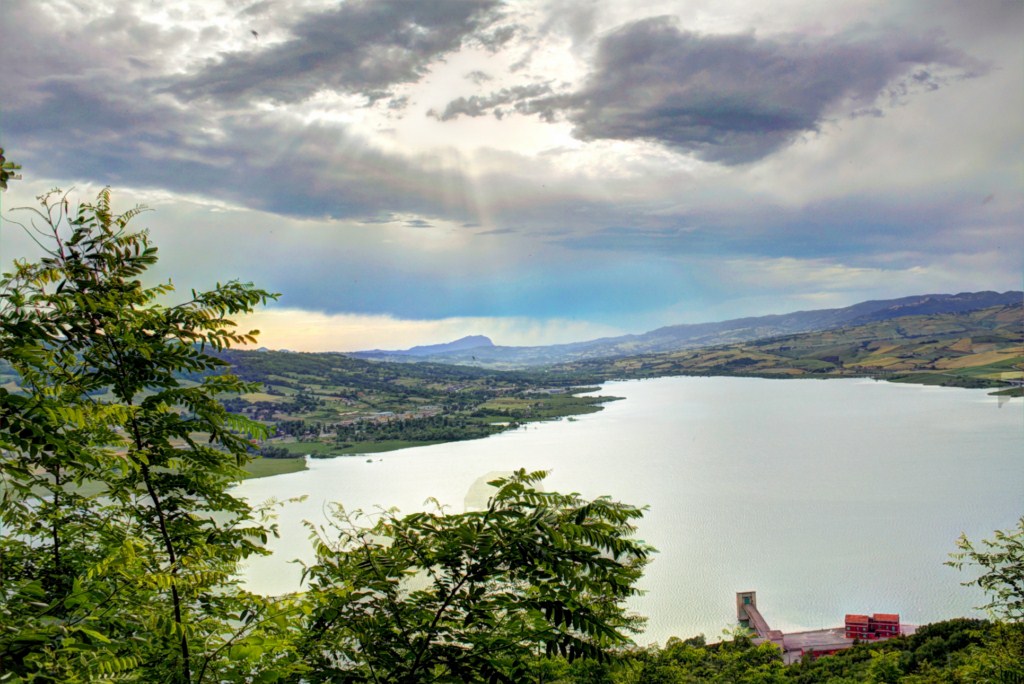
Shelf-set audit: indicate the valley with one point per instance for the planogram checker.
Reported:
(333, 404)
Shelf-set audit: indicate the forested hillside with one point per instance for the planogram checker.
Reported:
(959, 651)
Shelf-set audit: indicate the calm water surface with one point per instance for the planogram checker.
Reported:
(826, 497)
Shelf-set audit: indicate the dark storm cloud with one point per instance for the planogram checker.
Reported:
(732, 98)
(41, 42)
(737, 98)
(79, 130)
(94, 113)
(362, 46)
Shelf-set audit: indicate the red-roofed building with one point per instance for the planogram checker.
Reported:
(858, 627)
(885, 625)
(878, 626)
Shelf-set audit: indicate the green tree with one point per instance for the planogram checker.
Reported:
(121, 538)
(681, 662)
(7, 170)
(476, 596)
(1000, 657)
(1002, 560)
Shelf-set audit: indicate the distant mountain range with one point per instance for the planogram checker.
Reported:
(480, 350)
(463, 344)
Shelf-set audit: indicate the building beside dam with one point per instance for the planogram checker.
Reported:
(877, 626)
(818, 642)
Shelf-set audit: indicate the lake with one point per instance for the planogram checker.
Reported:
(824, 496)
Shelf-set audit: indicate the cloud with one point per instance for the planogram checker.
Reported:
(103, 112)
(317, 191)
(477, 76)
(660, 240)
(737, 98)
(755, 286)
(787, 273)
(109, 44)
(519, 97)
(362, 46)
(733, 99)
(105, 132)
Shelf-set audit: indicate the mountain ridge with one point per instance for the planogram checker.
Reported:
(460, 345)
(691, 335)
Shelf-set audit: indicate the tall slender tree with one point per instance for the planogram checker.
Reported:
(121, 537)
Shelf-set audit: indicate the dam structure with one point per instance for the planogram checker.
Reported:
(818, 642)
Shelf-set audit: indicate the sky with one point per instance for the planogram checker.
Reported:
(407, 172)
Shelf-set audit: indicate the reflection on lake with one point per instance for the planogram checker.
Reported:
(826, 497)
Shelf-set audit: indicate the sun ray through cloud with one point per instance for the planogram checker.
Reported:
(621, 166)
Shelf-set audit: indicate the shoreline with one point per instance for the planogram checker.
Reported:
(322, 451)
(298, 463)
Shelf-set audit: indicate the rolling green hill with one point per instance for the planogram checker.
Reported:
(983, 348)
(480, 351)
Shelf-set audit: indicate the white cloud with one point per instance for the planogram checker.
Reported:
(789, 284)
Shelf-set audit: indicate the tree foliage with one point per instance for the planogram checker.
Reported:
(475, 596)
(7, 169)
(1002, 561)
(120, 535)
(121, 538)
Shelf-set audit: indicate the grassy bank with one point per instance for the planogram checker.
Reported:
(268, 467)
